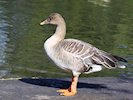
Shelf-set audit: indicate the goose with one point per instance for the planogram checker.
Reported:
(76, 56)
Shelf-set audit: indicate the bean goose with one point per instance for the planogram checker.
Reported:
(75, 55)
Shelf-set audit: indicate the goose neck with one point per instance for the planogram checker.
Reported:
(61, 31)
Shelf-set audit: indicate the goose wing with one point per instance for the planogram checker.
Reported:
(88, 53)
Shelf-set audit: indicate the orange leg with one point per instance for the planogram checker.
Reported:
(72, 90)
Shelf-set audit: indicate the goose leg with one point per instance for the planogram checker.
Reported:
(72, 90)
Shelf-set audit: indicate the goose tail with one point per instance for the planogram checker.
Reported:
(121, 60)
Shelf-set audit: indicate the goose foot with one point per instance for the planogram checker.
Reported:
(66, 92)
(72, 90)
(63, 90)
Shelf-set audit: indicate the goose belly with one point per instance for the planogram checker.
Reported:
(64, 60)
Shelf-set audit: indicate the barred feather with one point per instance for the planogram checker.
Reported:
(89, 54)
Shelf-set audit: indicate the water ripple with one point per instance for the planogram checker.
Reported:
(3, 36)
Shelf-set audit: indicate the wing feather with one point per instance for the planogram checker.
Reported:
(88, 53)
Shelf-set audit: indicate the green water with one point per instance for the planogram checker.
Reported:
(107, 24)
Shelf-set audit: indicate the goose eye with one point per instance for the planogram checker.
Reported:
(48, 19)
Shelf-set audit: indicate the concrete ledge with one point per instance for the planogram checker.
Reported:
(99, 88)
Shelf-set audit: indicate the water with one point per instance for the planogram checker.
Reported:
(107, 24)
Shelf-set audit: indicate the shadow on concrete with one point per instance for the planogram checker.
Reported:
(58, 83)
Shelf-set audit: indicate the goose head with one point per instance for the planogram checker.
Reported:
(54, 18)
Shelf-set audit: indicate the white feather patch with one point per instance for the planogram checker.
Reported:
(122, 66)
(95, 68)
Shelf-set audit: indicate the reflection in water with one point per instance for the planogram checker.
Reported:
(107, 24)
(103, 3)
(3, 39)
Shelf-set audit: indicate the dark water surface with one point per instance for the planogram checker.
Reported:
(107, 24)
